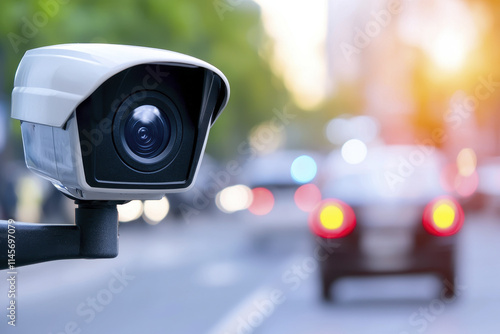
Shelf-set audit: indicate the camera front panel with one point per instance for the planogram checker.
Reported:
(146, 127)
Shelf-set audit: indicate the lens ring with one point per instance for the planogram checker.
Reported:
(147, 131)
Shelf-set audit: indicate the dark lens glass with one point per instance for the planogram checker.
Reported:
(147, 131)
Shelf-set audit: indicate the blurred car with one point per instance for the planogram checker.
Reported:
(281, 170)
(489, 183)
(274, 180)
(200, 198)
(386, 215)
(271, 181)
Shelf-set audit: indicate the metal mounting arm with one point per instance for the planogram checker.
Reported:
(94, 235)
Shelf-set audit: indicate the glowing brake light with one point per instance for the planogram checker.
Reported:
(262, 203)
(332, 219)
(443, 217)
(307, 197)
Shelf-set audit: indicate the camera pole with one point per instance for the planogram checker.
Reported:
(94, 235)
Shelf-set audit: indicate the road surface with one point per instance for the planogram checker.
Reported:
(243, 274)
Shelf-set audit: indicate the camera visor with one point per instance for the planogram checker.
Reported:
(147, 131)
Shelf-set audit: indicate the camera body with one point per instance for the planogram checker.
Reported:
(115, 122)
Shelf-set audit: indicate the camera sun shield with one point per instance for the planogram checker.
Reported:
(114, 122)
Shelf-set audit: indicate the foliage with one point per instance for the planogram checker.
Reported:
(227, 34)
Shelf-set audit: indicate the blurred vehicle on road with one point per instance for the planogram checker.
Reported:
(271, 189)
(386, 214)
(199, 198)
(275, 178)
(283, 169)
(489, 183)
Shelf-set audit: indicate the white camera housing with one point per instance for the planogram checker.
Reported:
(116, 122)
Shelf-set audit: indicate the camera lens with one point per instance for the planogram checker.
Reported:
(147, 131)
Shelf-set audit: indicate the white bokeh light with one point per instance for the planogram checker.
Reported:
(130, 211)
(338, 130)
(354, 151)
(156, 211)
(234, 198)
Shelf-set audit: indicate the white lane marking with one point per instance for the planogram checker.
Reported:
(258, 306)
(236, 321)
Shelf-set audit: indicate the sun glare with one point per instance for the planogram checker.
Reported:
(298, 29)
(449, 51)
(444, 29)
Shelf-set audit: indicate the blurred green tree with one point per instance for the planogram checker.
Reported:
(227, 34)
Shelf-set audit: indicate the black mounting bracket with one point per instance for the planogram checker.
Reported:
(94, 235)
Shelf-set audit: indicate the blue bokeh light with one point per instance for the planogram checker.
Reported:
(303, 169)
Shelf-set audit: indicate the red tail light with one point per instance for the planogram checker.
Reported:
(443, 217)
(332, 219)
(262, 203)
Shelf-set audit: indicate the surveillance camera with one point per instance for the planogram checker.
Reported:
(115, 122)
(106, 124)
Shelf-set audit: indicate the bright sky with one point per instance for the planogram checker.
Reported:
(299, 31)
(444, 29)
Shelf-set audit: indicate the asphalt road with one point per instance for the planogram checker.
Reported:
(241, 274)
